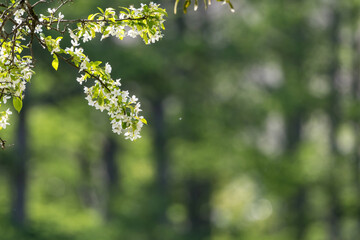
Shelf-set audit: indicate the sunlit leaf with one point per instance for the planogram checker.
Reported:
(55, 62)
(17, 103)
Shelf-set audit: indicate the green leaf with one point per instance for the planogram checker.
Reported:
(55, 62)
(96, 92)
(152, 31)
(186, 5)
(92, 16)
(17, 103)
(96, 63)
(162, 11)
(144, 120)
(100, 99)
(58, 38)
(102, 11)
(150, 23)
(145, 37)
(126, 9)
(106, 32)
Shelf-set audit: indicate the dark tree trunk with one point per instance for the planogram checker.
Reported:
(111, 174)
(334, 112)
(160, 141)
(111, 167)
(298, 201)
(161, 161)
(293, 60)
(199, 198)
(299, 204)
(295, 114)
(19, 172)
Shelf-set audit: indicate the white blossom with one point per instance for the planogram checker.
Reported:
(86, 36)
(38, 28)
(81, 79)
(132, 33)
(4, 117)
(51, 10)
(18, 13)
(61, 16)
(107, 68)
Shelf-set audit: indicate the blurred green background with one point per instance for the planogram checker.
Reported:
(254, 131)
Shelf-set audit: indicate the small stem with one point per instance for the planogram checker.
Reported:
(62, 4)
(41, 1)
(92, 75)
(93, 21)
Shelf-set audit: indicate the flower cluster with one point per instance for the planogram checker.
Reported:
(105, 94)
(15, 70)
(102, 92)
(4, 117)
(146, 22)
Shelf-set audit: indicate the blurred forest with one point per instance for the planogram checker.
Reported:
(254, 132)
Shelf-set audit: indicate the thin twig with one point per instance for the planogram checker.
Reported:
(62, 4)
(41, 1)
(2, 143)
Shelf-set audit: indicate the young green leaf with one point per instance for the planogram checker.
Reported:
(102, 11)
(160, 10)
(144, 120)
(55, 62)
(17, 103)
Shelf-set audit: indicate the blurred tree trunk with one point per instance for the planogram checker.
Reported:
(160, 141)
(334, 112)
(298, 201)
(111, 174)
(19, 171)
(295, 110)
(199, 201)
(161, 158)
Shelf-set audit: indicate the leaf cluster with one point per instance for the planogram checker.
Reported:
(20, 27)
